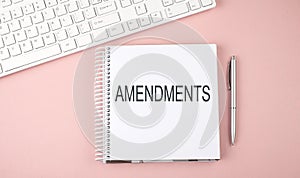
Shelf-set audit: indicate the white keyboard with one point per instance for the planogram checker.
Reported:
(37, 31)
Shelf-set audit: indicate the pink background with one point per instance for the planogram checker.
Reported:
(39, 135)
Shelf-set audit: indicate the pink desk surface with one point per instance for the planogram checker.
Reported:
(39, 135)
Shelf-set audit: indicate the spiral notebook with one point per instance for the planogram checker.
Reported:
(156, 103)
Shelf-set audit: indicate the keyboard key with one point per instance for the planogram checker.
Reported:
(4, 29)
(68, 45)
(37, 18)
(137, 1)
(20, 36)
(106, 7)
(84, 40)
(116, 30)
(140, 9)
(144, 21)
(72, 6)
(49, 39)
(194, 4)
(4, 54)
(47, 53)
(125, 3)
(28, 9)
(62, 1)
(1, 43)
(5, 3)
(16, 1)
(51, 3)
(16, 12)
(156, 17)
(48, 14)
(132, 24)
(26, 46)
(26, 22)
(31, 32)
(43, 28)
(89, 13)
(15, 50)
(60, 10)
(84, 3)
(105, 21)
(167, 2)
(84, 27)
(99, 35)
(61, 35)
(9, 39)
(55, 24)
(14, 25)
(5, 16)
(38, 42)
(73, 31)
(206, 2)
(39, 5)
(96, 1)
(176, 10)
(66, 20)
(78, 17)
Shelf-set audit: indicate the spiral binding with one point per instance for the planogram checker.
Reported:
(102, 103)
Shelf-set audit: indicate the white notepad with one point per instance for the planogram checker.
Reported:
(157, 103)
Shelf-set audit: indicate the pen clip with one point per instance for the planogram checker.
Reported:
(229, 75)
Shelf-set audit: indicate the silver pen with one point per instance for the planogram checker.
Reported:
(232, 88)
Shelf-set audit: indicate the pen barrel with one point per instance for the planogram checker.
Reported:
(233, 82)
(233, 129)
(233, 98)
